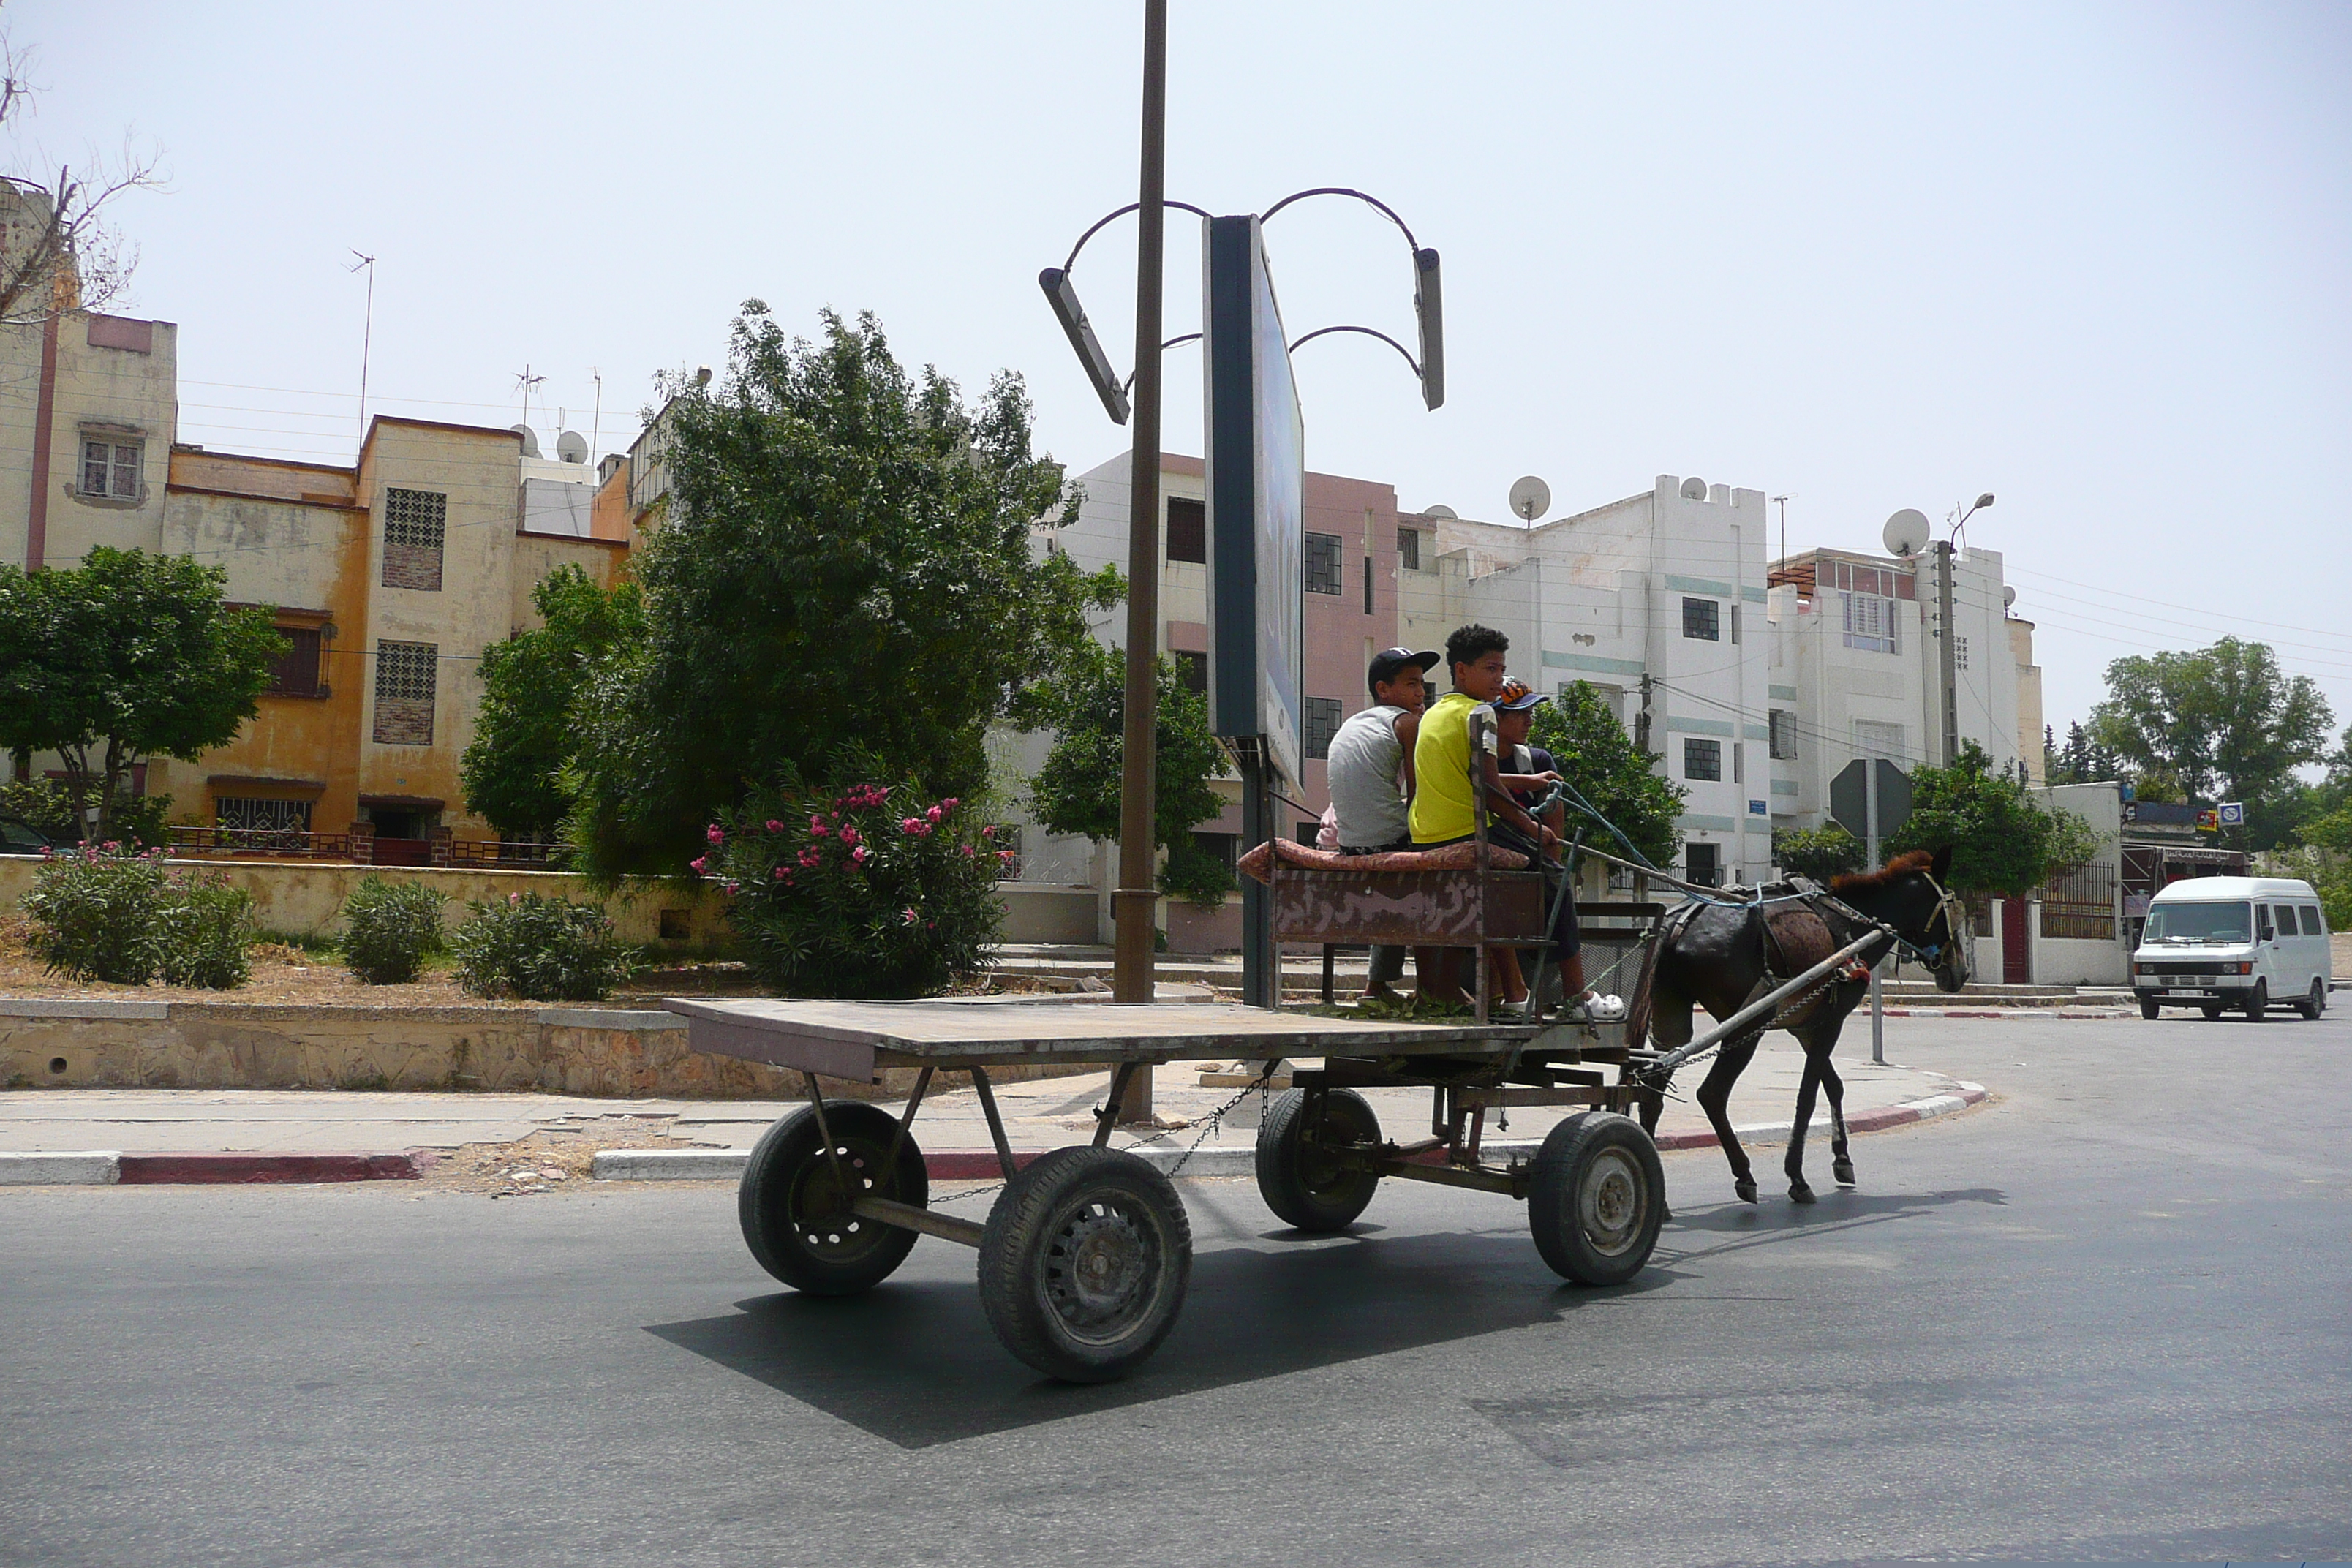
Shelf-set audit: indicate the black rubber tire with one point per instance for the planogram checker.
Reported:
(2258, 1001)
(2211, 1009)
(2147, 1008)
(1300, 1187)
(794, 1219)
(1074, 1212)
(1599, 1197)
(2312, 1005)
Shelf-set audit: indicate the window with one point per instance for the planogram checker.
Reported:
(1700, 620)
(1409, 549)
(1735, 626)
(416, 523)
(1224, 847)
(2079, 904)
(1702, 864)
(1739, 762)
(109, 469)
(1873, 739)
(1783, 728)
(296, 674)
(1368, 585)
(262, 815)
(1320, 718)
(1871, 624)
(1192, 673)
(405, 673)
(1703, 760)
(1188, 530)
(1323, 564)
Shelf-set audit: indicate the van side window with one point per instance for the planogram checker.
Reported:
(2314, 920)
(2263, 931)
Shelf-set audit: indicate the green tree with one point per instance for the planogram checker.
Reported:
(2221, 722)
(1077, 790)
(2002, 841)
(127, 658)
(846, 559)
(1820, 853)
(533, 684)
(1618, 777)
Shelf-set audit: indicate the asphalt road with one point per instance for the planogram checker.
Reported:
(2103, 1316)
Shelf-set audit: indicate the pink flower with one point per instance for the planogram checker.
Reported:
(967, 851)
(989, 832)
(717, 834)
(1005, 856)
(951, 802)
(782, 872)
(701, 864)
(817, 829)
(848, 834)
(858, 855)
(908, 915)
(934, 815)
(809, 858)
(774, 826)
(730, 889)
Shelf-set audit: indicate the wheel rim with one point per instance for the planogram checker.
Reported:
(1611, 1203)
(1319, 1170)
(1102, 1268)
(821, 1222)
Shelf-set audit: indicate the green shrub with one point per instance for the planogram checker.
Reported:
(94, 910)
(390, 928)
(870, 892)
(546, 949)
(204, 931)
(139, 821)
(1820, 853)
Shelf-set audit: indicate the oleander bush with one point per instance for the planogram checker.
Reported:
(204, 933)
(392, 927)
(102, 913)
(540, 949)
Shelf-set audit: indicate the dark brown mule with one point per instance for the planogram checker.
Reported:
(1726, 955)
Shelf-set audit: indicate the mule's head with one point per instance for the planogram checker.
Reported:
(1911, 895)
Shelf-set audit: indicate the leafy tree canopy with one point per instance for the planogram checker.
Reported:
(1619, 778)
(1077, 790)
(1821, 852)
(845, 557)
(2002, 841)
(533, 684)
(127, 658)
(2081, 760)
(2221, 722)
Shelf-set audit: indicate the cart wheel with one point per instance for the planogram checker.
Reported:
(796, 1220)
(1599, 1197)
(1299, 1181)
(1085, 1263)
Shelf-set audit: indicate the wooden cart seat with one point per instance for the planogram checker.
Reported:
(1257, 863)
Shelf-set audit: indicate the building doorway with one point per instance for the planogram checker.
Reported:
(2016, 935)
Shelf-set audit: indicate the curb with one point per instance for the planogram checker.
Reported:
(106, 1168)
(980, 1164)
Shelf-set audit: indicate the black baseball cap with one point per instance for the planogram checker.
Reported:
(1388, 661)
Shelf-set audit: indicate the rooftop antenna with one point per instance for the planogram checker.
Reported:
(367, 334)
(596, 424)
(526, 380)
(1782, 502)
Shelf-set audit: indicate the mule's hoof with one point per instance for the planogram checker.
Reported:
(1746, 1190)
(1843, 1171)
(1801, 1194)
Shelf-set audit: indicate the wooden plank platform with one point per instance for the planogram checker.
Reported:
(856, 1041)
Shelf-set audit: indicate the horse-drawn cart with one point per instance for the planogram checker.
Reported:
(1086, 1254)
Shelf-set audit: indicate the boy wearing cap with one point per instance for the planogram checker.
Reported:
(1367, 755)
(1445, 808)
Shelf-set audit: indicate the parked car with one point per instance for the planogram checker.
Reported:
(2234, 943)
(18, 836)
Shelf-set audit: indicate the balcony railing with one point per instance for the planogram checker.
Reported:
(268, 843)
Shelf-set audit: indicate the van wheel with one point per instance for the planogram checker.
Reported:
(2258, 1001)
(2211, 1009)
(2147, 1008)
(2312, 1005)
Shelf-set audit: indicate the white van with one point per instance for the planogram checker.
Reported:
(2242, 943)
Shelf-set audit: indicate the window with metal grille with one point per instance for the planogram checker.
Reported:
(1188, 530)
(416, 526)
(1323, 564)
(1784, 734)
(1409, 549)
(109, 469)
(1319, 716)
(405, 676)
(1703, 760)
(1871, 624)
(1702, 620)
(263, 815)
(297, 673)
(1873, 738)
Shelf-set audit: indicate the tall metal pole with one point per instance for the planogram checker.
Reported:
(1135, 903)
(1870, 821)
(1949, 652)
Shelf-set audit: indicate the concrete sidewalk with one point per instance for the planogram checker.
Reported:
(1039, 1114)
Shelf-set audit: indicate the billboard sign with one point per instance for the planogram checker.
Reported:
(1255, 458)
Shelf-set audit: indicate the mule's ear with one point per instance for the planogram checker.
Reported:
(1942, 864)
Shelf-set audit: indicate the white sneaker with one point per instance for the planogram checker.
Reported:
(1595, 1008)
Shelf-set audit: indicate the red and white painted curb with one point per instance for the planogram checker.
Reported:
(106, 1168)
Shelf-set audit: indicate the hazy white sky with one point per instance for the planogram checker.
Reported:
(2092, 258)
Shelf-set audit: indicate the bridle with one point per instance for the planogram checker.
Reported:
(1950, 908)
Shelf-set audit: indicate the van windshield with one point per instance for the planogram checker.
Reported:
(2200, 922)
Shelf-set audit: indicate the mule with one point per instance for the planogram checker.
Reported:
(1726, 955)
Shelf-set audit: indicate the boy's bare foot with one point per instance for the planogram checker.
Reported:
(1382, 991)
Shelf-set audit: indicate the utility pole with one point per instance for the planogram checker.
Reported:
(367, 334)
(1135, 901)
(1949, 653)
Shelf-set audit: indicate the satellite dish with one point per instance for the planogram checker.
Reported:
(1442, 511)
(572, 447)
(1530, 499)
(2009, 596)
(1693, 489)
(530, 439)
(1906, 531)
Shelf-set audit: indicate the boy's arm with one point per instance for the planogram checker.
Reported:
(1500, 804)
(1408, 733)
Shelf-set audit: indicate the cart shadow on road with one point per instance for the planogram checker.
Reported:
(1698, 1233)
(915, 1363)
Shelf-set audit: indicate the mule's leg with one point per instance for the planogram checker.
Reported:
(1714, 1097)
(1799, 1191)
(1841, 1162)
